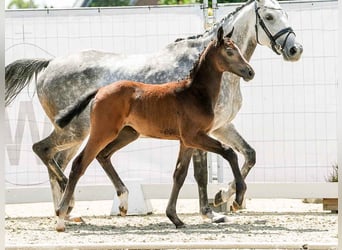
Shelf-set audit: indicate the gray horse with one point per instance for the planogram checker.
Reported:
(64, 79)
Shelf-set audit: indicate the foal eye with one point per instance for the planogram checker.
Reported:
(229, 52)
(269, 17)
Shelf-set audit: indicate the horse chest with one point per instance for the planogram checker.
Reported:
(229, 101)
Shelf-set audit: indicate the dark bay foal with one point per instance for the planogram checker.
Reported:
(182, 110)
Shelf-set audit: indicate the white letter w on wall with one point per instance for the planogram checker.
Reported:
(26, 131)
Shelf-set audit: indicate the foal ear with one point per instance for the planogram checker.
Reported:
(219, 36)
(229, 35)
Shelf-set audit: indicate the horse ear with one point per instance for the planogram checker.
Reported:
(261, 2)
(219, 36)
(229, 35)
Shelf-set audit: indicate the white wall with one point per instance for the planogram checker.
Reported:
(289, 110)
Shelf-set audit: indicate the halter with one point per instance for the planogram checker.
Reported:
(277, 48)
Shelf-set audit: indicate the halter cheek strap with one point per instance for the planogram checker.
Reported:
(277, 48)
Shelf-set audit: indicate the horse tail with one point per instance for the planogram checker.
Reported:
(66, 115)
(18, 75)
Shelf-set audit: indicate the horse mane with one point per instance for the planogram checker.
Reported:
(195, 66)
(217, 24)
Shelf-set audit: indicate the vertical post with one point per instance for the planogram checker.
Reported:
(339, 131)
(2, 112)
(210, 167)
(205, 14)
(214, 8)
(219, 169)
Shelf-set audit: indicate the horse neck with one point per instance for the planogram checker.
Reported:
(243, 21)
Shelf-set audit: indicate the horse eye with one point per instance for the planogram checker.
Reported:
(269, 17)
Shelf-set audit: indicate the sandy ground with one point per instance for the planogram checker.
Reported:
(280, 220)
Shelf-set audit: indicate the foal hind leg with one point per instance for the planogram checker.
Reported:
(179, 175)
(94, 145)
(126, 136)
(201, 175)
(228, 135)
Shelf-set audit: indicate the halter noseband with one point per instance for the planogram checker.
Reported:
(277, 48)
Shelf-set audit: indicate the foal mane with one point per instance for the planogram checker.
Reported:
(216, 25)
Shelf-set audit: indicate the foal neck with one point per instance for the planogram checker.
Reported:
(206, 76)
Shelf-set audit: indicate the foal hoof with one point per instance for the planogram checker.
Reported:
(179, 226)
(235, 207)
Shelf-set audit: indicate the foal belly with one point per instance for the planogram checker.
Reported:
(156, 127)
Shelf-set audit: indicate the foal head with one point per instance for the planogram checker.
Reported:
(228, 57)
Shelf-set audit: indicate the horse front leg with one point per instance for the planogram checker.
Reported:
(182, 166)
(229, 135)
(207, 143)
(126, 136)
(199, 159)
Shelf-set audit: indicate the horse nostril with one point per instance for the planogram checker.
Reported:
(293, 51)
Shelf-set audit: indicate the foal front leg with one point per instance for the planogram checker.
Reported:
(126, 136)
(181, 170)
(229, 135)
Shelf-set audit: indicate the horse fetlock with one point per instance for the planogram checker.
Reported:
(206, 213)
(60, 225)
(219, 218)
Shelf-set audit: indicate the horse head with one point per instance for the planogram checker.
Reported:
(272, 29)
(230, 57)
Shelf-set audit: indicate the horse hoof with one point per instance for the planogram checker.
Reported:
(60, 227)
(219, 219)
(218, 199)
(74, 218)
(235, 207)
(123, 211)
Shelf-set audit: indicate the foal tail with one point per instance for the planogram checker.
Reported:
(18, 75)
(66, 115)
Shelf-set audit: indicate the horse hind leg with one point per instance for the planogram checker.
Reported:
(56, 162)
(201, 176)
(126, 136)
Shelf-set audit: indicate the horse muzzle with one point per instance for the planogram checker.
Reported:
(292, 50)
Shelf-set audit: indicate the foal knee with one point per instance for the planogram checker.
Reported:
(231, 156)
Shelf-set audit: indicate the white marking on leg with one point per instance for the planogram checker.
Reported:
(123, 207)
(60, 226)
